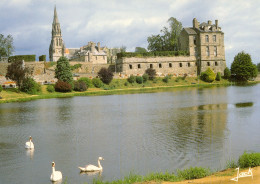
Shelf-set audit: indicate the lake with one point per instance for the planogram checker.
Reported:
(138, 133)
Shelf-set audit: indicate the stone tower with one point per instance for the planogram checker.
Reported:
(57, 46)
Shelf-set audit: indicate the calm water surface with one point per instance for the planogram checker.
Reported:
(142, 133)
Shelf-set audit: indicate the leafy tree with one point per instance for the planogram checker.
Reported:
(258, 67)
(140, 49)
(63, 70)
(151, 73)
(169, 40)
(6, 45)
(227, 73)
(242, 68)
(105, 75)
(123, 48)
(18, 72)
(218, 76)
(208, 75)
(30, 86)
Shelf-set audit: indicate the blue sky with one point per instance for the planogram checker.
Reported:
(114, 23)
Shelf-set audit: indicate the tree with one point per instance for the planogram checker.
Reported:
(6, 46)
(63, 71)
(258, 67)
(242, 68)
(105, 75)
(30, 86)
(227, 73)
(123, 48)
(140, 49)
(208, 75)
(18, 72)
(169, 40)
(151, 73)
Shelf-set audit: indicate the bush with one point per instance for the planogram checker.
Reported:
(139, 79)
(193, 173)
(218, 77)
(151, 73)
(26, 58)
(80, 86)
(227, 73)
(30, 86)
(76, 66)
(126, 83)
(1, 88)
(249, 160)
(61, 86)
(87, 81)
(105, 75)
(145, 77)
(166, 79)
(208, 75)
(50, 88)
(42, 58)
(131, 79)
(97, 82)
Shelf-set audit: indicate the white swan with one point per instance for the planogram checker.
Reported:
(29, 144)
(92, 168)
(55, 175)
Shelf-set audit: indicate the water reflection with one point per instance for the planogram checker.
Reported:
(93, 173)
(30, 153)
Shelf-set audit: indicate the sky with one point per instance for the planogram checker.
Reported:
(116, 23)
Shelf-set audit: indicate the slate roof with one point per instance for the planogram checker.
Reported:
(190, 30)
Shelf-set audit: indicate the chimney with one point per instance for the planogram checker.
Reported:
(216, 23)
(195, 23)
(209, 22)
(98, 46)
(92, 46)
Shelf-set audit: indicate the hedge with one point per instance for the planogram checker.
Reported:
(152, 54)
(26, 58)
(42, 58)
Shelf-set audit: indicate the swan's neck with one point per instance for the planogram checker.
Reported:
(30, 142)
(99, 165)
(53, 169)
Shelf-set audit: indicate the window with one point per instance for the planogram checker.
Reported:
(194, 40)
(208, 63)
(160, 65)
(188, 64)
(170, 65)
(180, 64)
(130, 66)
(139, 65)
(215, 51)
(207, 50)
(216, 63)
(214, 38)
(207, 38)
(151, 65)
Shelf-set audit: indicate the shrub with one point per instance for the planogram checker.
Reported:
(184, 76)
(131, 79)
(97, 82)
(76, 66)
(139, 79)
(61, 86)
(42, 58)
(26, 58)
(80, 86)
(1, 88)
(208, 75)
(87, 81)
(30, 86)
(145, 77)
(105, 75)
(249, 160)
(218, 76)
(50, 88)
(227, 73)
(151, 73)
(193, 173)
(165, 79)
(126, 83)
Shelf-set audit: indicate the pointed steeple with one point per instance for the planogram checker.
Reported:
(55, 18)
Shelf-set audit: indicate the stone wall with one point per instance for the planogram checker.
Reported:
(176, 66)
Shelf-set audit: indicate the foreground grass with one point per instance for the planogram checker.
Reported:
(117, 86)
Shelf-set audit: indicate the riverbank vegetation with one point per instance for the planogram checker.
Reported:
(246, 160)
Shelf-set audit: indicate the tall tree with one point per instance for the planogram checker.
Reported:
(6, 45)
(169, 38)
(242, 68)
(63, 71)
(18, 72)
(140, 49)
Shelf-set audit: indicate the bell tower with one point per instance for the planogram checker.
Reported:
(57, 46)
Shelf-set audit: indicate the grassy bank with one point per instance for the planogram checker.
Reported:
(246, 160)
(117, 86)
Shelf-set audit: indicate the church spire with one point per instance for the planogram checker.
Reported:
(55, 18)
